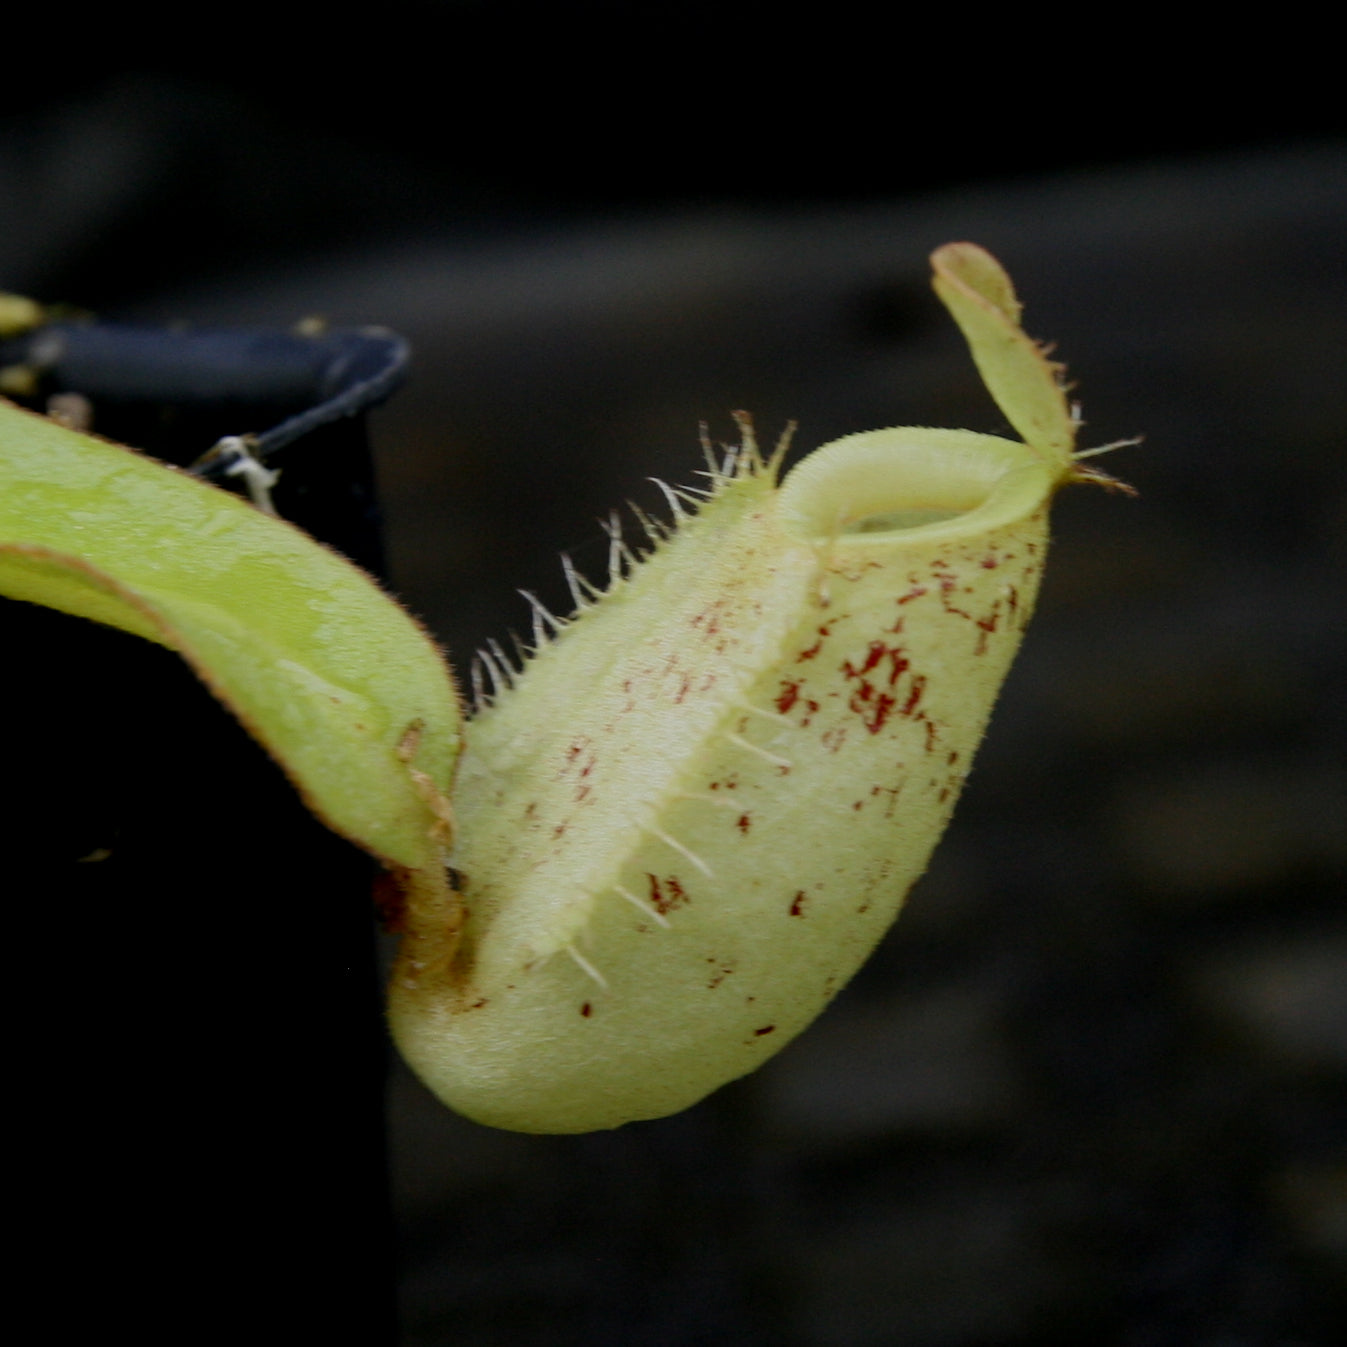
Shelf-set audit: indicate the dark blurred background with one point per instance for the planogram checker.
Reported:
(1093, 1087)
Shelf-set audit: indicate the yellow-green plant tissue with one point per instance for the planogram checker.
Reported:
(683, 826)
(690, 819)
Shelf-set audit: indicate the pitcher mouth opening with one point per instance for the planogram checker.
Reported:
(909, 483)
(897, 521)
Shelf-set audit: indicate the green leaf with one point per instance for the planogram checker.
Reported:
(342, 687)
